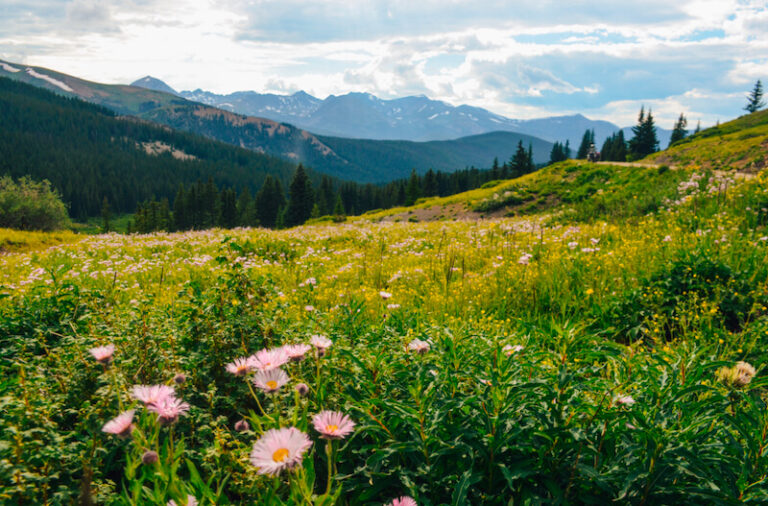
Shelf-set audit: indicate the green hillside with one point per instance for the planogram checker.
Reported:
(741, 144)
(384, 160)
(578, 190)
(88, 153)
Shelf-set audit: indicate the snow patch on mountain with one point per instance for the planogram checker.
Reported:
(9, 68)
(49, 79)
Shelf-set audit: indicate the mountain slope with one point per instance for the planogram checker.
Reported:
(398, 157)
(362, 162)
(88, 153)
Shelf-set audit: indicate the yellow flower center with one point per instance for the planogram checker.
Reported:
(331, 428)
(272, 384)
(280, 455)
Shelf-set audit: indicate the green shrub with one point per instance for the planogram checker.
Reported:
(29, 205)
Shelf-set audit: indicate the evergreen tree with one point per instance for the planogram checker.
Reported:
(645, 140)
(181, 218)
(755, 98)
(106, 215)
(679, 131)
(325, 199)
(430, 182)
(557, 154)
(269, 201)
(495, 172)
(531, 166)
(567, 149)
(228, 209)
(338, 207)
(412, 193)
(587, 140)
(619, 147)
(301, 199)
(519, 163)
(698, 127)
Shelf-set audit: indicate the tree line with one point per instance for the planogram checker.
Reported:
(204, 204)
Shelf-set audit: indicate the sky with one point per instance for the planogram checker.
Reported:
(518, 59)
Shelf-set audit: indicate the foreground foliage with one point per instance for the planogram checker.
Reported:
(506, 361)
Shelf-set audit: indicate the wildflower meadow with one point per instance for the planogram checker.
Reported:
(555, 357)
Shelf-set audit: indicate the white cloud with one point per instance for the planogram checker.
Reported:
(520, 60)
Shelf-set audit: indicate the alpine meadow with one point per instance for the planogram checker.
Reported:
(203, 303)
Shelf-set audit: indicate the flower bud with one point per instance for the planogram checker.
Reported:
(242, 426)
(149, 458)
(303, 389)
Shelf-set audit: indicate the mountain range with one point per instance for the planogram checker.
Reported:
(414, 118)
(362, 161)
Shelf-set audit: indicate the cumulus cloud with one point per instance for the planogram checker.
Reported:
(518, 59)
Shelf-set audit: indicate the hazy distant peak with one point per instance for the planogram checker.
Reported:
(153, 83)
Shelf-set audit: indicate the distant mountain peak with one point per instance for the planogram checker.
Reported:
(153, 83)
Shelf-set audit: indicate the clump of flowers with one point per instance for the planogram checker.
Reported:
(103, 354)
(333, 424)
(625, 400)
(279, 449)
(121, 426)
(737, 376)
(510, 350)
(419, 346)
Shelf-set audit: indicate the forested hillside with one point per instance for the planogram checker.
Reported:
(349, 159)
(88, 153)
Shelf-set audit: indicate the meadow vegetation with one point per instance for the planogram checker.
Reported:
(604, 348)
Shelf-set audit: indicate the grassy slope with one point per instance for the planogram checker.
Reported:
(741, 144)
(602, 191)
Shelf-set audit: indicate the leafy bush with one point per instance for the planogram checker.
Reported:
(30, 205)
(690, 288)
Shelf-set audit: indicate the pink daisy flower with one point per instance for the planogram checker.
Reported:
(191, 501)
(625, 400)
(279, 449)
(103, 354)
(169, 409)
(333, 424)
(121, 426)
(510, 350)
(384, 295)
(266, 360)
(270, 381)
(419, 346)
(152, 394)
(240, 367)
(320, 342)
(296, 352)
(403, 501)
